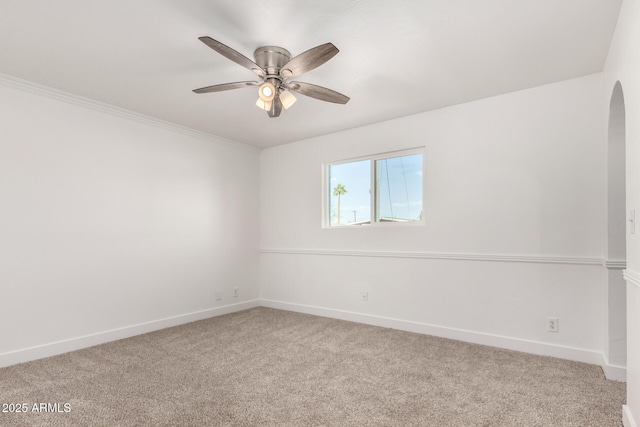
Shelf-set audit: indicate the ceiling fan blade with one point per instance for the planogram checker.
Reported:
(308, 60)
(225, 86)
(231, 54)
(317, 92)
(276, 107)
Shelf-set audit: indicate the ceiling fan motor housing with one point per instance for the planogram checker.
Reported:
(272, 59)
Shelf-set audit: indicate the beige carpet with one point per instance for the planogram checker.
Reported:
(265, 367)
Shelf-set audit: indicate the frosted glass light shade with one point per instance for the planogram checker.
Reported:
(267, 92)
(287, 99)
(266, 106)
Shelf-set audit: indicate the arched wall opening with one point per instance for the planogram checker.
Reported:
(616, 345)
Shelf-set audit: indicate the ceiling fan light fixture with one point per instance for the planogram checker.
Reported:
(287, 99)
(267, 92)
(274, 65)
(266, 106)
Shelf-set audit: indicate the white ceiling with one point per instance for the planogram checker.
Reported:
(396, 57)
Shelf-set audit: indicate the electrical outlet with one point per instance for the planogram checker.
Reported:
(218, 294)
(552, 324)
(365, 296)
(236, 292)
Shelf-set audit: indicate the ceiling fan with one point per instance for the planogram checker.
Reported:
(275, 67)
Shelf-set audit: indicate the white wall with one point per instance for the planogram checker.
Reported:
(112, 224)
(515, 203)
(623, 65)
(512, 174)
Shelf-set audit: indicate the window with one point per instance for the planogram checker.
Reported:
(396, 180)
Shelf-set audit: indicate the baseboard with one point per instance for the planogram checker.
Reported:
(509, 343)
(627, 418)
(613, 372)
(52, 349)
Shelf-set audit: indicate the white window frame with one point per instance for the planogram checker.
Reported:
(373, 199)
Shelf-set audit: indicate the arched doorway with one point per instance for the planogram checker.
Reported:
(616, 346)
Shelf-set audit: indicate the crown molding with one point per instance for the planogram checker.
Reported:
(69, 98)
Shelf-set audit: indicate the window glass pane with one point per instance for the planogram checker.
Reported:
(399, 189)
(349, 195)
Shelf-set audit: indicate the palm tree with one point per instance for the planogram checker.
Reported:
(339, 190)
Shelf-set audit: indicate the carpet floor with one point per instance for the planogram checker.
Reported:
(266, 367)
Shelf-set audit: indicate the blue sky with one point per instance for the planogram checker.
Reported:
(399, 183)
